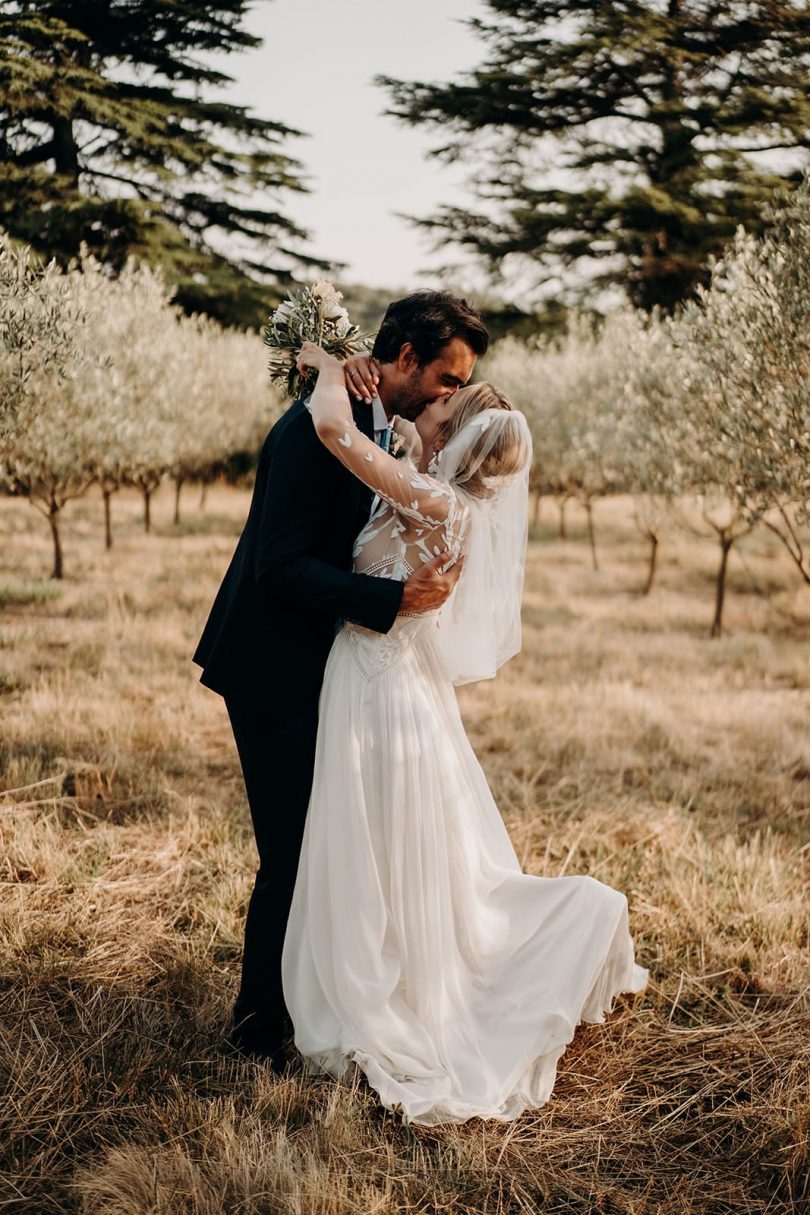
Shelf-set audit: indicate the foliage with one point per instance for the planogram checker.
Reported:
(106, 381)
(311, 314)
(106, 140)
(572, 389)
(623, 139)
(747, 343)
(45, 424)
(712, 404)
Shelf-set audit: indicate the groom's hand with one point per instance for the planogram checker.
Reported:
(430, 585)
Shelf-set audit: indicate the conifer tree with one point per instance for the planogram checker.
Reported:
(106, 138)
(624, 137)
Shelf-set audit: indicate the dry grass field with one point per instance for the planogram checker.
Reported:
(621, 743)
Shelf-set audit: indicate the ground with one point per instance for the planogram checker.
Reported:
(622, 742)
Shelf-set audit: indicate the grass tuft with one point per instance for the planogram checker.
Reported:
(26, 593)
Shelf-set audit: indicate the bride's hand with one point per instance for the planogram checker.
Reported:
(362, 374)
(312, 355)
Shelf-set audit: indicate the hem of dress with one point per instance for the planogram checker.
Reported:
(533, 1083)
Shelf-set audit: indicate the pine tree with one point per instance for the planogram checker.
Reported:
(106, 139)
(621, 138)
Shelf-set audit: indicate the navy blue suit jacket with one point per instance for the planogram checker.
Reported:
(273, 620)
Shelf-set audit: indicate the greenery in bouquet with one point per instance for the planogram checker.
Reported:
(311, 314)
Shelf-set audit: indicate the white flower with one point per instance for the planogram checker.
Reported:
(313, 314)
(333, 310)
(323, 290)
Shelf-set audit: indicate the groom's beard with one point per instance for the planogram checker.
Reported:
(409, 400)
(411, 412)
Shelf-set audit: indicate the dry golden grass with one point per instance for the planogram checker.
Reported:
(621, 743)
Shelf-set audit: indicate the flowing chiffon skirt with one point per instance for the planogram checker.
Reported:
(416, 948)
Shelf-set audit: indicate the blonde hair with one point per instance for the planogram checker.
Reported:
(506, 456)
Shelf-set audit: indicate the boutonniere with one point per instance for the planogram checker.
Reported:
(398, 446)
(403, 438)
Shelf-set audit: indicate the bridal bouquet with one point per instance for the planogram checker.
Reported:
(312, 314)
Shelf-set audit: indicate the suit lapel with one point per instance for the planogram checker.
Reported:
(364, 417)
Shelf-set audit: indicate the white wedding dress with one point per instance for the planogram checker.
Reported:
(416, 948)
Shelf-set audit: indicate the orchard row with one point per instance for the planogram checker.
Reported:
(712, 404)
(104, 381)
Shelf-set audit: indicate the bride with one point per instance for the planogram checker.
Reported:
(416, 949)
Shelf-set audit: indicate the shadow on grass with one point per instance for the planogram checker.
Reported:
(120, 1097)
(200, 525)
(81, 791)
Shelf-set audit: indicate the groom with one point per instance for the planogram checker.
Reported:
(272, 624)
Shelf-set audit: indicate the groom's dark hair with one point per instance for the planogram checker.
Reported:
(429, 320)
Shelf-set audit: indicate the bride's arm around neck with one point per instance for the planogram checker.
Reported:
(412, 494)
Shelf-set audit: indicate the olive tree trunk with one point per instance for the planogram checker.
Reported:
(727, 538)
(652, 562)
(179, 481)
(561, 505)
(53, 519)
(147, 491)
(107, 494)
(588, 504)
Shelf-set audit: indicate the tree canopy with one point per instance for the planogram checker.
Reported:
(628, 139)
(106, 139)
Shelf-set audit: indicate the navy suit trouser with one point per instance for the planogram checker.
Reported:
(277, 753)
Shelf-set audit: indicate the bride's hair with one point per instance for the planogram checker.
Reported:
(486, 457)
(489, 456)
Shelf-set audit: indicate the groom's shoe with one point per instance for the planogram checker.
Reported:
(276, 1060)
(274, 1047)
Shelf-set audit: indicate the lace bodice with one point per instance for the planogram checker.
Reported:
(416, 518)
(410, 527)
(396, 539)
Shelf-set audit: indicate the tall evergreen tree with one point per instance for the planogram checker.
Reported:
(622, 131)
(105, 137)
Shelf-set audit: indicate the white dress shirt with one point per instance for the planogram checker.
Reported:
(380, 419)
(381, 425)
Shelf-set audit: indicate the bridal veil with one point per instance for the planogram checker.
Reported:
(479, 627)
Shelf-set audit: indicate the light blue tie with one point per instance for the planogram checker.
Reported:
(383, 440)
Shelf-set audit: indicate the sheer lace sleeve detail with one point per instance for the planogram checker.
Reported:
(424, 504)
(417, 497)
(412, 494)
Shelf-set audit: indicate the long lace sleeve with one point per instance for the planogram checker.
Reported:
(413, 495)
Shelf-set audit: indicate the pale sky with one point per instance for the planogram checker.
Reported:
(314, 72)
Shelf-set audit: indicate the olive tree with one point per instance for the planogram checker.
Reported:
(45, 422)
(571, 388)
(749, 338)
